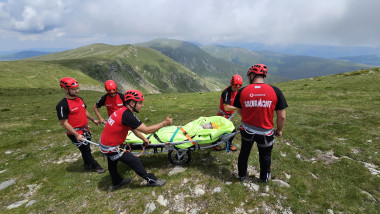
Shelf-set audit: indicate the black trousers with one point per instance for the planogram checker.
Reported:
(265, 153)
(85, 150)
(133, 162)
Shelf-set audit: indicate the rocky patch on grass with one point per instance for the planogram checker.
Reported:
(369, 195)
(6, 184)
(372, 168)
(281, 183)
(32, 189)
(68, 159)
(176, 170)
(327, 157)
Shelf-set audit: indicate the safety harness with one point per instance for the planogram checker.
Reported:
(86, 133)
(108, 150)
(253, 130)
(119, 150)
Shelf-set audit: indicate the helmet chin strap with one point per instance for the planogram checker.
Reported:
(134, 107)
(68, 92)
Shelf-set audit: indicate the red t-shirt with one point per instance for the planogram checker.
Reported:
(74, 110)
(112, 103)
(258, 103)
(227, 97)
(117, 127)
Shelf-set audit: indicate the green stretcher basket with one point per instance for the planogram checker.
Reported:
(199, 130)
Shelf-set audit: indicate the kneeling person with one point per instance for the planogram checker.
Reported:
(115, 132)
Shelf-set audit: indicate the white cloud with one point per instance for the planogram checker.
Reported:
(328, 22)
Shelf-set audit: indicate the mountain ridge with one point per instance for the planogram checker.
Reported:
(166, 65)
(131, 67)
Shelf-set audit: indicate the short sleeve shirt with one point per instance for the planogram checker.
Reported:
(112, 103)
(118, 126)
(258, 103)
(74, 110)
(227, 97)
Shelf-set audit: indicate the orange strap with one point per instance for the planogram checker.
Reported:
(187, 135)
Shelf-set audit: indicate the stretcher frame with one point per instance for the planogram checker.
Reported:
(177, 155)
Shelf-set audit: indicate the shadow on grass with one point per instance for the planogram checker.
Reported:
(217, 164)
(206, 161)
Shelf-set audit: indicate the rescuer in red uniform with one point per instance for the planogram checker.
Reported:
(226, 108)
(256, 103)
(73, 116)
(115, 132)
(113, 100)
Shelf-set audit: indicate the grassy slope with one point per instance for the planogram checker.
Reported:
(24, 74)
(131, 67)
(337, 113)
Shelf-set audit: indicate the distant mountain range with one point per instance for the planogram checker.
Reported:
(373, 60)
(282, 67)
(21, 55)
(166, 65)
(322, 51)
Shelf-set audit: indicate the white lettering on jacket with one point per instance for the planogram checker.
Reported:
(258, 103)
(110, 121)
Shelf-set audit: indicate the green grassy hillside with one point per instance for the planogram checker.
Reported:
(38, 74)
(131, 67)
(326, 162)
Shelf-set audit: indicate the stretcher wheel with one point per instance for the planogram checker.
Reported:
(179, 157)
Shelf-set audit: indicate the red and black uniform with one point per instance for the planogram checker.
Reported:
(258, 103)
(114, 134)
(227, 97)
(74, 110)
(111, 103)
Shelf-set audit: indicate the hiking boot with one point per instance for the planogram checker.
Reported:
(233, 148)
(99, 169)
(217, 148)
(244, 177)
(158, 183)
(123, 182)
(269, 177)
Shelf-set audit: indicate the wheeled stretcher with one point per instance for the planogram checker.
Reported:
(180, 141)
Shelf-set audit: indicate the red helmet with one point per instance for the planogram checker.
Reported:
(258, 69)
(68, 83)
(110, 86)
(236, 81)
(133, 95)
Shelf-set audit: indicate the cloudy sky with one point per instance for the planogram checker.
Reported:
(74, 23)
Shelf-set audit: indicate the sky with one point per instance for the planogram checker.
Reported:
(28, 24)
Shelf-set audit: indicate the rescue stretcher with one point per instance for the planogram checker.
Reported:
(180, 141)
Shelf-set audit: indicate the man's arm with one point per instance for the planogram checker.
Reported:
(281, 118)
(139, 135)
(150, 129)
(65, 124)
(229, 107)
(96, 110)
(91, 118)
